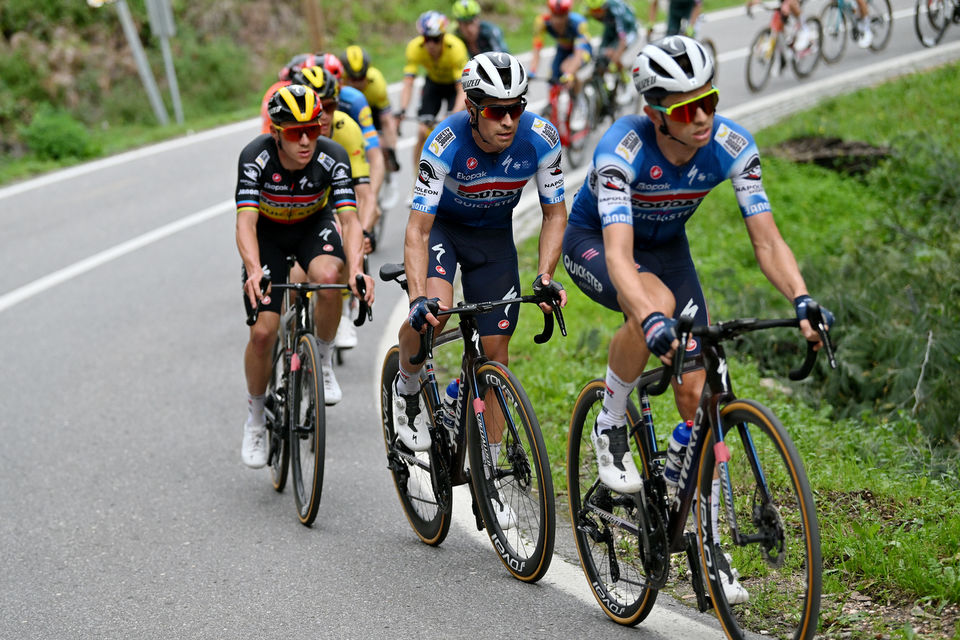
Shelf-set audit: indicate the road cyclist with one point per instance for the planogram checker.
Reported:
(480, 36)
(290, 182)
(626, 247)
(359, 74)
(443, 56)
(473, 168)
(572, 35)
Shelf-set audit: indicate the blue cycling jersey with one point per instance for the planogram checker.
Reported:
(631, 182)
(355, 105)
(461, 183)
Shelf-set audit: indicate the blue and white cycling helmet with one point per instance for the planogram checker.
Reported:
(493, 75)
(431, 24)
(675, 64)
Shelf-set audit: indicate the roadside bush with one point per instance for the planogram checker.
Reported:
(55, 134)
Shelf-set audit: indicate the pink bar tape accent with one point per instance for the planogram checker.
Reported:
(295, 362)
(478, 405)
(721, 452)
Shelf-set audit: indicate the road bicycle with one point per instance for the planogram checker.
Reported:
(740, 470)
(294, 406)
(839, 17)
(932, 17)
(491, 405)
(609, 92)
(774, 47)
(570, 114)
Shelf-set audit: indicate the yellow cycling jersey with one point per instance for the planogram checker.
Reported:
(376, 90)
(346, 132)
(444, 70)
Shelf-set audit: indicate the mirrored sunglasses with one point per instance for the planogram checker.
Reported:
(293, 133)
(500, 111)
(686, 111)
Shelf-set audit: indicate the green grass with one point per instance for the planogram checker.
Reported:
(888, 499)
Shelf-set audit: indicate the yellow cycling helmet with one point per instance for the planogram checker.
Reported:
(465, 10)
(593, 5)
(356, 62)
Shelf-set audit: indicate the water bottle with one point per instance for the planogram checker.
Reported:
(676, 449)
(450, 408)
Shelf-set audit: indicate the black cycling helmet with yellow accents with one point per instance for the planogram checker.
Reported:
(356, 62)
(294, 103)
(465, 10)
(323, 83)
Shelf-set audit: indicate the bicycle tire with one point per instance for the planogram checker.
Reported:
(930, 21)
(780, 563)
(523, 480)
(308, 429)
(413, 473)
(881, 23)
(581, 111)
(276, 400)
(804, 62)
(835, 30)
(762, 56)
(620, 591)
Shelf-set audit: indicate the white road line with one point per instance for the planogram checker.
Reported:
(63, 275)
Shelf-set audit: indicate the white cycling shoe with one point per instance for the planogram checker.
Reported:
(614, 460)
(332, 394)
(253, 450)
(412, 431)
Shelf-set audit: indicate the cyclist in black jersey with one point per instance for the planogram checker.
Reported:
(480, 36)
(289, 183)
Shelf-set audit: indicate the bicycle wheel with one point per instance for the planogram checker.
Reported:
(806, 60)
(519, 479)
(834, 42)
(770, 530)
(414, 474)
(581, 121)
(609, 554)
(881, 23)
(930, 21)
(276, 410)
(308, 429)
(761, 58)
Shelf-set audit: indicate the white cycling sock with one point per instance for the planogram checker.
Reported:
(255, 408)
(326, 352)
(409, 383)
(614, 412)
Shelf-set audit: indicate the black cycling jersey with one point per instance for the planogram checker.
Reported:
(287, 196)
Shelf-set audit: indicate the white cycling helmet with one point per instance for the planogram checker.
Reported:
(675, 64)
(494, 75)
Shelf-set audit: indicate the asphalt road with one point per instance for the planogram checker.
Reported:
(124, 508)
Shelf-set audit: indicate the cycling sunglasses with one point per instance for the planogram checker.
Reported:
(293, 133)
(686, 111)
(432, 38)
(500, 111)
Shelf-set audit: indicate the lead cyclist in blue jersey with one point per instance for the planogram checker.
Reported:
(626, 247)
(473, 166)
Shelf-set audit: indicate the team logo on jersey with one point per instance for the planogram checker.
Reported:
(692, 344)
(589, 254)
(251, 170)
(328, 248)
(442, 140)
(503, 324)
(471, 163)
(752, 169)
(546, 131)
(261, 159)
(656, 172)
(731, 141)
(441, 270)
(277, 177)
(628, 146)
(325, 161)
(611, 177)
(554, 167)
(340, 173)
(427, 173)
